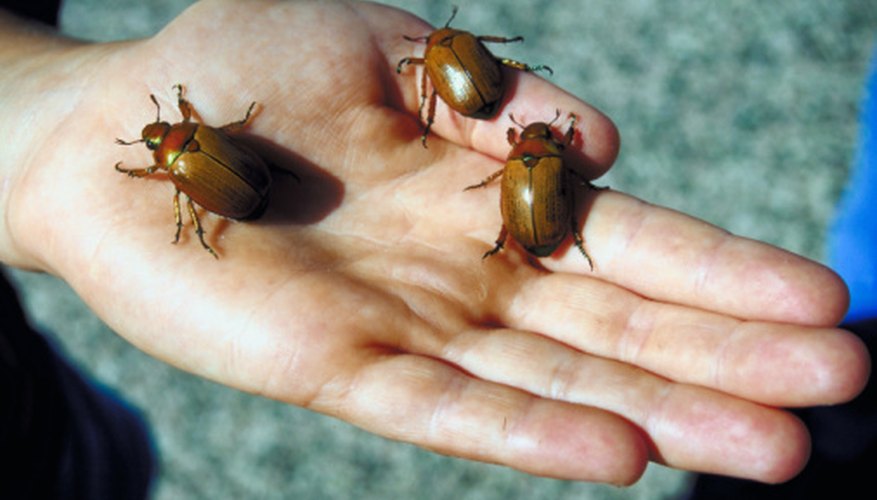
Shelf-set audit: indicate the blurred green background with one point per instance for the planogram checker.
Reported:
(741, 112)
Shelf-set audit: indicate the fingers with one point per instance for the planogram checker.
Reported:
(531, 99)
(528, 96)
(668, 256)
(431, 404)
(655, 252)
(689, 427)
(775, 364)
(534, 99)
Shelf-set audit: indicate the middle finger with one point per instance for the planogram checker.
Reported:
(776, 364)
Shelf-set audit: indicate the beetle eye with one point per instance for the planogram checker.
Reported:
(154, 133)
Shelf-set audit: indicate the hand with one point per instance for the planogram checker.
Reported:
(361, 292)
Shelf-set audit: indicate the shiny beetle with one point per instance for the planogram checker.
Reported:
(537, 200)
(205, 163)
(462, 71)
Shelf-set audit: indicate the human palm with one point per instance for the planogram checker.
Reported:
(361, 292)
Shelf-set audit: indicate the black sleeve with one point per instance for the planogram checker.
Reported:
(41, 10)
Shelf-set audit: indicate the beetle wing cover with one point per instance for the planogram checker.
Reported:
(535, 204)
(223, 176)
(466, 75)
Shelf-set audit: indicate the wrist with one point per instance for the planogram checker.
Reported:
(38, 88)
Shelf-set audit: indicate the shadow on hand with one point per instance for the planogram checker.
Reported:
(301, 192)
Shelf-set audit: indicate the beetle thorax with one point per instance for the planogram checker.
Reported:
(536, 131)
(443, 36)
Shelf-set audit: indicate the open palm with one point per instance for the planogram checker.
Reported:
(361, 292)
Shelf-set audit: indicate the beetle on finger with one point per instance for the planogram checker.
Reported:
(537, 198)
(206, 164)
(463, 72)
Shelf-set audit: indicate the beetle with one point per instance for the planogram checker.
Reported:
(207, 165)
(462, 71)
(537, 199)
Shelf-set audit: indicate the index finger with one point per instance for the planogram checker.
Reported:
(526, 95)
(530, 98)
(671, 257)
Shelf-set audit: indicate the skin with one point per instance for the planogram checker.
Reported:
(361, 292)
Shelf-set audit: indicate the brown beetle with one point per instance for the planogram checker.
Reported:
(537, 200)
(206, 164)
(462, 71)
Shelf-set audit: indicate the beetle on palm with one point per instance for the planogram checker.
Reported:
(206, 164)
(462, 72)
(537, 199)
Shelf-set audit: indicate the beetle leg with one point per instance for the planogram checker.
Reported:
(490, 178)
(423, 91)
(409, 60)
(524, 67)
(183, 104)
(500, 242)
(136, 172)
(580, 241)
(510, 135)
(430, 116)
(231, 127)
(422, 96)
(499, 39)
(198, 229)
(585, 181)
(570, 132)
(421, 39)
(177, 218)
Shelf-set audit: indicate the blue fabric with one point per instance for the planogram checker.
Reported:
(852, 239)
(108, 452)
(844, 436)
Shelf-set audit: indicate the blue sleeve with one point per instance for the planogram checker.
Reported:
(852, 240)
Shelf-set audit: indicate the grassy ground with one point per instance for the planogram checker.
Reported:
(741, 112)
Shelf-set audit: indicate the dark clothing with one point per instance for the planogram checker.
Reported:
(62, 436)
(844, 450)
(45, 11)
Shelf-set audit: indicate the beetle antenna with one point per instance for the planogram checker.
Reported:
(556, 116)
(157, 108)
(453, 15)
(516, 122)
(127, 143)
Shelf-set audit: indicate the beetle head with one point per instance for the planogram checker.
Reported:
(154, 133)
(540, 130)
